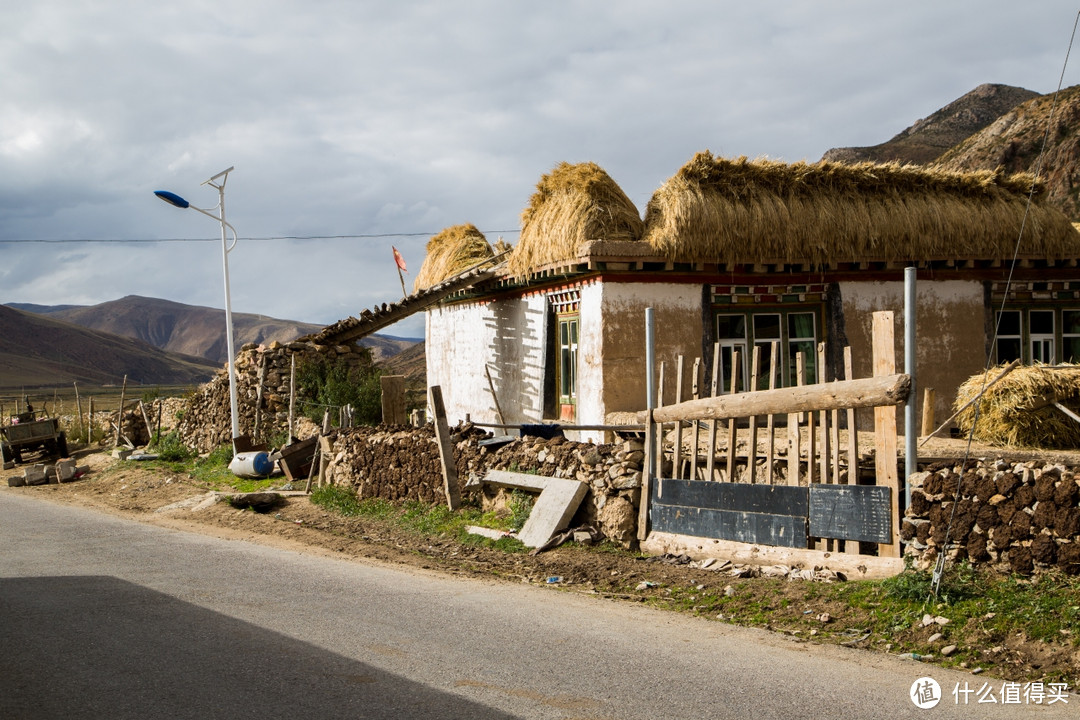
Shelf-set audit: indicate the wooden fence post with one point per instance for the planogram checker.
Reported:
(446, 448)
(885, 457)
(393, 399)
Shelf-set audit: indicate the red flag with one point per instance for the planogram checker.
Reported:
(399, 260)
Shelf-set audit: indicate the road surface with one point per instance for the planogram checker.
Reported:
(103, 617)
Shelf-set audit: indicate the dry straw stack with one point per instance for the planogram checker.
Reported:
(1017, 412)
(572, 205)
(763, 211)
(452, 251)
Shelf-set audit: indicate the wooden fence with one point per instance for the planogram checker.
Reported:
(796, 500)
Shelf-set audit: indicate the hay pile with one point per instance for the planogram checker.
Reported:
(572, 205)
(718, 210)
(1016, 411)
(450, 252)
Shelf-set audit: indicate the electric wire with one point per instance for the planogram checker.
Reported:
(358, 236)
(939, 565)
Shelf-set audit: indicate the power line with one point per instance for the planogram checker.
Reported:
(370, 236)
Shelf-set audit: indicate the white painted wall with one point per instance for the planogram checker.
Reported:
(507, 336)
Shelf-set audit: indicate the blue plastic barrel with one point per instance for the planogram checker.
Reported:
(251, 465)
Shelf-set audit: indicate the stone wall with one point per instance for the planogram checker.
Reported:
(1023, 517)
(403, 464)
(205, 421)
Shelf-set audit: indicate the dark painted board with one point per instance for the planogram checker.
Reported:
(739, 497)
(749, 527)
(851, 512)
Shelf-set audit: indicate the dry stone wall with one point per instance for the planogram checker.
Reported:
(1023, 517)
(205, 421)
(398, 464)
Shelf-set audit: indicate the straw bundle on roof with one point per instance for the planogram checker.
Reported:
(1006, 416)
(450, 252)
(572, 205)
(717, 210)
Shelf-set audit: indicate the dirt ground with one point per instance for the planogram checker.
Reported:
(798, 608)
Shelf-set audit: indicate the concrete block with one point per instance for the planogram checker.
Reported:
(65, 470)
(34, 475)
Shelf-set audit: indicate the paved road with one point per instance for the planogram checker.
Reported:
(102, 617)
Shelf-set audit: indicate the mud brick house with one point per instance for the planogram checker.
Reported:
(744, 253)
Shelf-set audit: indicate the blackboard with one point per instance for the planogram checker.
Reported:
(851, 512)
(749, 527)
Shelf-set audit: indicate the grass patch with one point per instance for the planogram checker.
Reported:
(414, 517)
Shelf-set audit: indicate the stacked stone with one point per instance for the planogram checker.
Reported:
(205, 422)
(402, 464)
(1021, 516)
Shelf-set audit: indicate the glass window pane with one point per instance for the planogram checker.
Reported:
(1042, 322)
(1072, 350)
(801, 326)
(766, 327)
(1009, 323)
(1008, 349)
(1070, 322)
(730, 327)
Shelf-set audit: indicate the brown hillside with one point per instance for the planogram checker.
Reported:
(929, 138)
(37, 350)
(1015, 140)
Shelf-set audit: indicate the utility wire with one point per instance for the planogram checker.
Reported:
(939, 566)
(47, 241)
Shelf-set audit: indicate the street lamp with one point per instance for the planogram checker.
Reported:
(218, 182)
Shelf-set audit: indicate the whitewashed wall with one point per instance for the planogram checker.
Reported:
(508, 337)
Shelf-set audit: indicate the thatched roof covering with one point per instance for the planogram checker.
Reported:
(1006, 414)
(572, 205)
(718, 210)
(455, 249)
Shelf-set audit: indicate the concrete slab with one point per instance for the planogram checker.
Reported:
(554, 508)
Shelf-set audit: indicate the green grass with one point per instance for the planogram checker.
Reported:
(415, 517)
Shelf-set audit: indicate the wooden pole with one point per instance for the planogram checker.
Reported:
(751, 452)
(826, 449)
(494, 397)
(732, 429)
(713, 390)
(676, 471)
(120, 414)
(78, 409)
(292, 396)
(853, 431)
(770, 442)
(695, 393)
(885, 456)
(928, 411)
(146, 420)
(794, 432)
(446, 448)
(647, 474)
(90, 420)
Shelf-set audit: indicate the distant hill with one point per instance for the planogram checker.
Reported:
(37, 350)
(192, 329)
(994, 126)
(929, 138)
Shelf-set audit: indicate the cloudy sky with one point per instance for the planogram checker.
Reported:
(355, 125)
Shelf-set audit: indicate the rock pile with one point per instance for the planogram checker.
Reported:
(1021, 516)
(403, 464)
(262, 389)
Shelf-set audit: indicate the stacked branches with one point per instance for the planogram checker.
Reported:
(1017, 411)
(572, 205)
(452, 251)
(764, 211)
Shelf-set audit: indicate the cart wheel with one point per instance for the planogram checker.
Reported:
(61, 444)
(7, 455)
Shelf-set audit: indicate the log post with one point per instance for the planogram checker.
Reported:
(647, 474)
(120, 413)
(714, 389)
(676, 469)
(928, 411)
(78, 409)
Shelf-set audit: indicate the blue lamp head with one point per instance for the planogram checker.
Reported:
(172, 198)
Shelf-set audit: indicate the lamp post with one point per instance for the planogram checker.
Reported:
(218, 182)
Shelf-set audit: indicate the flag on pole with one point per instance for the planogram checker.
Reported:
(399, 260)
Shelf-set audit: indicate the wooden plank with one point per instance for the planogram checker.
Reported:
(770, 443)
(695, 393)
(811, 443)
(677, 457)
(494, 397)
(749, 527)
(851, 512)
(856, 567)
(713, 391)
(648, 472)
(928, 411)
(794, 433)
(853, 432)
(393, 399)
(120, 413)
(732, 430)
(885, 426)
(826, 447)
(751, 451)
(446, 448)
(738, 497)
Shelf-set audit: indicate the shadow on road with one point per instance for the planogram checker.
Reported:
(99, 647)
